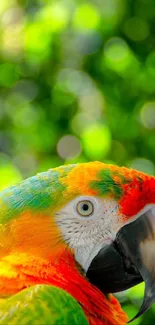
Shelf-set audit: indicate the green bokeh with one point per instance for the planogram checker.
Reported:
(84, 69)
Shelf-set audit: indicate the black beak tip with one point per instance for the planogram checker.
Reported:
(149, 298)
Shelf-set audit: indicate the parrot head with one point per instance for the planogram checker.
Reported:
(109, 222)
(101, 215)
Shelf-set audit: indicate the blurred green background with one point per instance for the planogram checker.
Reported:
(77, 83)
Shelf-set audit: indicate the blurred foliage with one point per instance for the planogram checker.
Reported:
(77, 83)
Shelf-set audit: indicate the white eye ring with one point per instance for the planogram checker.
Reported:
(85, 208)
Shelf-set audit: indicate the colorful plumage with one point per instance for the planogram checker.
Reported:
(41, 304)
(53, 226)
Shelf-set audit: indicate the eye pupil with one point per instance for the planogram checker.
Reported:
(85, 207)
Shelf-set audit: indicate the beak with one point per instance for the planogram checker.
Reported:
(129, 260)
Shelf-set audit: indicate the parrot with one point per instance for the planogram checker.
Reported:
(70, 238)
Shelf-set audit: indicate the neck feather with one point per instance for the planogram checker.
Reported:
(64, 274)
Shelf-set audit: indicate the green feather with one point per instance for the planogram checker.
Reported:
(106, 183)
(41, 305)
(36, 193)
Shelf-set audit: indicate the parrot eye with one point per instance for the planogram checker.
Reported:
(85, 208)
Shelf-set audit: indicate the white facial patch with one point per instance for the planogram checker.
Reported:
(86, 232)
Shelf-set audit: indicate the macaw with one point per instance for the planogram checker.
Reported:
(70, 237)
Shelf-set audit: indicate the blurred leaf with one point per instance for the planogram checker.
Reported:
(55, 17)
(9, 175)
(136, 28)
(9, 74)
(131, 312)
(136, 292)
(5, 4)
(119, 58)
(86, 17)
(38, 41)
(96, 141)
